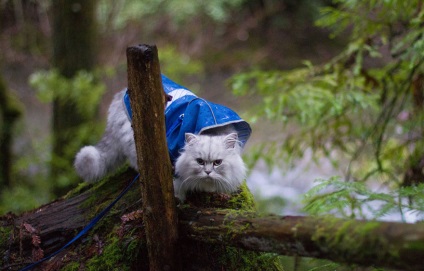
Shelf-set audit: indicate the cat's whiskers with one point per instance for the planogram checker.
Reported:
(222, 185)
(209, 164)
(188, 184)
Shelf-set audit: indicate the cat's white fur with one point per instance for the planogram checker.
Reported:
(209, 163)
(117, 146)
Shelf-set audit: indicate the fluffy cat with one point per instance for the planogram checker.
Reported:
(115, 148)
(209, 162)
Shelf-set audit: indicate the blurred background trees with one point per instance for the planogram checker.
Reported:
(61, 56)
(340, 80)
(363, 110)
(74, 37)
(10, 111)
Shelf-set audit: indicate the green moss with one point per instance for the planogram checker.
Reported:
(105, 191)
(5, 235)
(72, 266)
(416, 245)
(82, 187)
(119, 252)
(243, 199)
(348, 237)
(112, 258)
(106, 188)
(241, 260)
(216, 256)
(243, 203)
(132, 249)
(123, 250)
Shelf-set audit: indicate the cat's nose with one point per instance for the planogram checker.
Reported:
(208, 171)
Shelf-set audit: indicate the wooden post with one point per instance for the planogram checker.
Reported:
(147, 100)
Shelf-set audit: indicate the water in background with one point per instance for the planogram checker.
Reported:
(290, 184)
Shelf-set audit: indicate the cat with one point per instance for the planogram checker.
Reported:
(209, 160)
(114, 149)
(209, 163)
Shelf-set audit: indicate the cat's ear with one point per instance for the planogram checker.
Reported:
(189, 137)
(231, 140)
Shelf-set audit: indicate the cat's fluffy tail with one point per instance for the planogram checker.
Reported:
(93, 163)
(90, 164)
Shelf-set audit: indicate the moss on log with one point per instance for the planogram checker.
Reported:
(118, 241)
(366, 243)
(211, 238)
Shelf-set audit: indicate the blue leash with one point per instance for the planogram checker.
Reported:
(87, 228)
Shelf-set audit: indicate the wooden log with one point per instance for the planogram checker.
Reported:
(147, 100)
(52, 225)
(364, 243)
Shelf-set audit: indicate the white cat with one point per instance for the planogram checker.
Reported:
(115, 148)
(210, 161)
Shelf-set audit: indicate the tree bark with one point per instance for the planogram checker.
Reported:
(10, 111)
(73, 50)
(365, 243)
(147, 100)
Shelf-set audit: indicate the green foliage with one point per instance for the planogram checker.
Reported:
(117, 14)
(272, 205)
(354, 199)
(10, 112)
(362, 109)
(30, 187)
(178, 65)
(19, 198)
(83, 89)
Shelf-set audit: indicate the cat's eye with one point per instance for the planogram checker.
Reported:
(217, 162)
(200, 161)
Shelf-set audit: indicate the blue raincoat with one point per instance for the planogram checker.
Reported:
(187, 113)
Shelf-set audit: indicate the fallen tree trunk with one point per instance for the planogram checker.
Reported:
(28, 237)
(365, 243)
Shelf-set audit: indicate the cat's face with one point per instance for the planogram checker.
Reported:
(210, 164)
